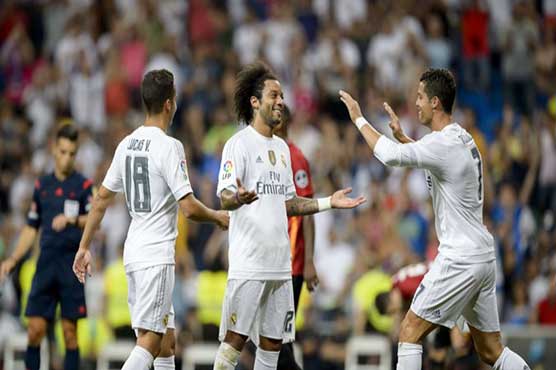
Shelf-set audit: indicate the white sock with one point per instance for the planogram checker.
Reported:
(226, 357)
(409, 356)
(266, 360)
(139, 359)
(164, 363)
(509, 360)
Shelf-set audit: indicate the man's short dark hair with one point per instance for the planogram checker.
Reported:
(156, 88)
(69, 132)
(250, 82)
(442, 84)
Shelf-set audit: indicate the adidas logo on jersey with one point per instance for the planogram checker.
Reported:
(259, 159)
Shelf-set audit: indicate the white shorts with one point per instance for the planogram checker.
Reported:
(150, 298)
(453, 289)
(259, 308)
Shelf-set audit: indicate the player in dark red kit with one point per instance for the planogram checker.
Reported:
(302, 233)
(61, 201)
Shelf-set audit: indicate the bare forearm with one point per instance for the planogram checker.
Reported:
(299, 206)
(194, 210)
(82, 221)
(93, 220)
(370, 134)
(24, 243)
(402, 138)
(309, 236)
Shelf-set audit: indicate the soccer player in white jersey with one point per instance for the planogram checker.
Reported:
(461, 281)
(256, 184)
(149, 167)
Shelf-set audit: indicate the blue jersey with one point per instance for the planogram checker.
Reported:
(52, 197)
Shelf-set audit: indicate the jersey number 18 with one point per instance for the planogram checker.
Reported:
(138, 171)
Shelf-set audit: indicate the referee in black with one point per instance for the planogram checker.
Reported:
(61, 201)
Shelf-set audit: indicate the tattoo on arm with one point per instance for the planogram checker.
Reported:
(299, 206)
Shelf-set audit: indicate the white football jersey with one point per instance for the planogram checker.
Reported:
(149, 167)
(258, 233)
(454, 175)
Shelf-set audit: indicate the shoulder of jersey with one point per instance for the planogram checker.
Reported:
(281, 141)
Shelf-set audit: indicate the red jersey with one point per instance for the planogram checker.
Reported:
(303, 188)
(407, 280)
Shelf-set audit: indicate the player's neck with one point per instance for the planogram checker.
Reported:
(157, 121)
(61, 176)
(440, 121)
(261, 127)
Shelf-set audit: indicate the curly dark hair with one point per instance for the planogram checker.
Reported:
(250, 82)
(442, 84)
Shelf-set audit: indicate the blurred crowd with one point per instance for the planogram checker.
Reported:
(82, 61)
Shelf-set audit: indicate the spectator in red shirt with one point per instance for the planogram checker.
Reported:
(546, 310)
(475, 53)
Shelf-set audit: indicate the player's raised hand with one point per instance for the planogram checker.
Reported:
(341, 200)
(352, 106)
(6, 267)
(82, 264)
(223, 219)
(394, 121)
(243, 196)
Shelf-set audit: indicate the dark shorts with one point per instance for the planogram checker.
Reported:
(54, 282)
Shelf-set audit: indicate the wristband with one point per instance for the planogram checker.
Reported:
(360, 122)
(237, 198)
(324, 203)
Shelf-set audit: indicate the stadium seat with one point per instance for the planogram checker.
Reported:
(114, 354)
(14, 353)
(201, 354)
(374, 350)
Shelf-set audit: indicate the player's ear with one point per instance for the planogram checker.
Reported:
(168, 104)
(435, 103)
(254, 102)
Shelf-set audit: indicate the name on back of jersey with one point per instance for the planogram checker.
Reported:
(139, 144)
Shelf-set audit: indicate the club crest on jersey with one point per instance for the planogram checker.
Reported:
(227, 170)
(272, 157)
(183, 167)
(165, 321)
(233, 318)
(283, 159)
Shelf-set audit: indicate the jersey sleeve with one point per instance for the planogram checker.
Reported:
(86, 197)
(34, 214)
(113, 180)
(232, 167)
(174, 171)
(302, 176)
(427, 153)
(290, 185)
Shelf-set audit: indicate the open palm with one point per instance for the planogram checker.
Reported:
(341, 200)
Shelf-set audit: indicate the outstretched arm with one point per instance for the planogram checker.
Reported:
(195, 210)
(299, 206)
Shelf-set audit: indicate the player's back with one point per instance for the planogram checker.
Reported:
(457, 191)
(148, 163)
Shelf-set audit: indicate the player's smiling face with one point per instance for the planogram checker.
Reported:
(64, 155)
(424, 105)
(271, 103)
